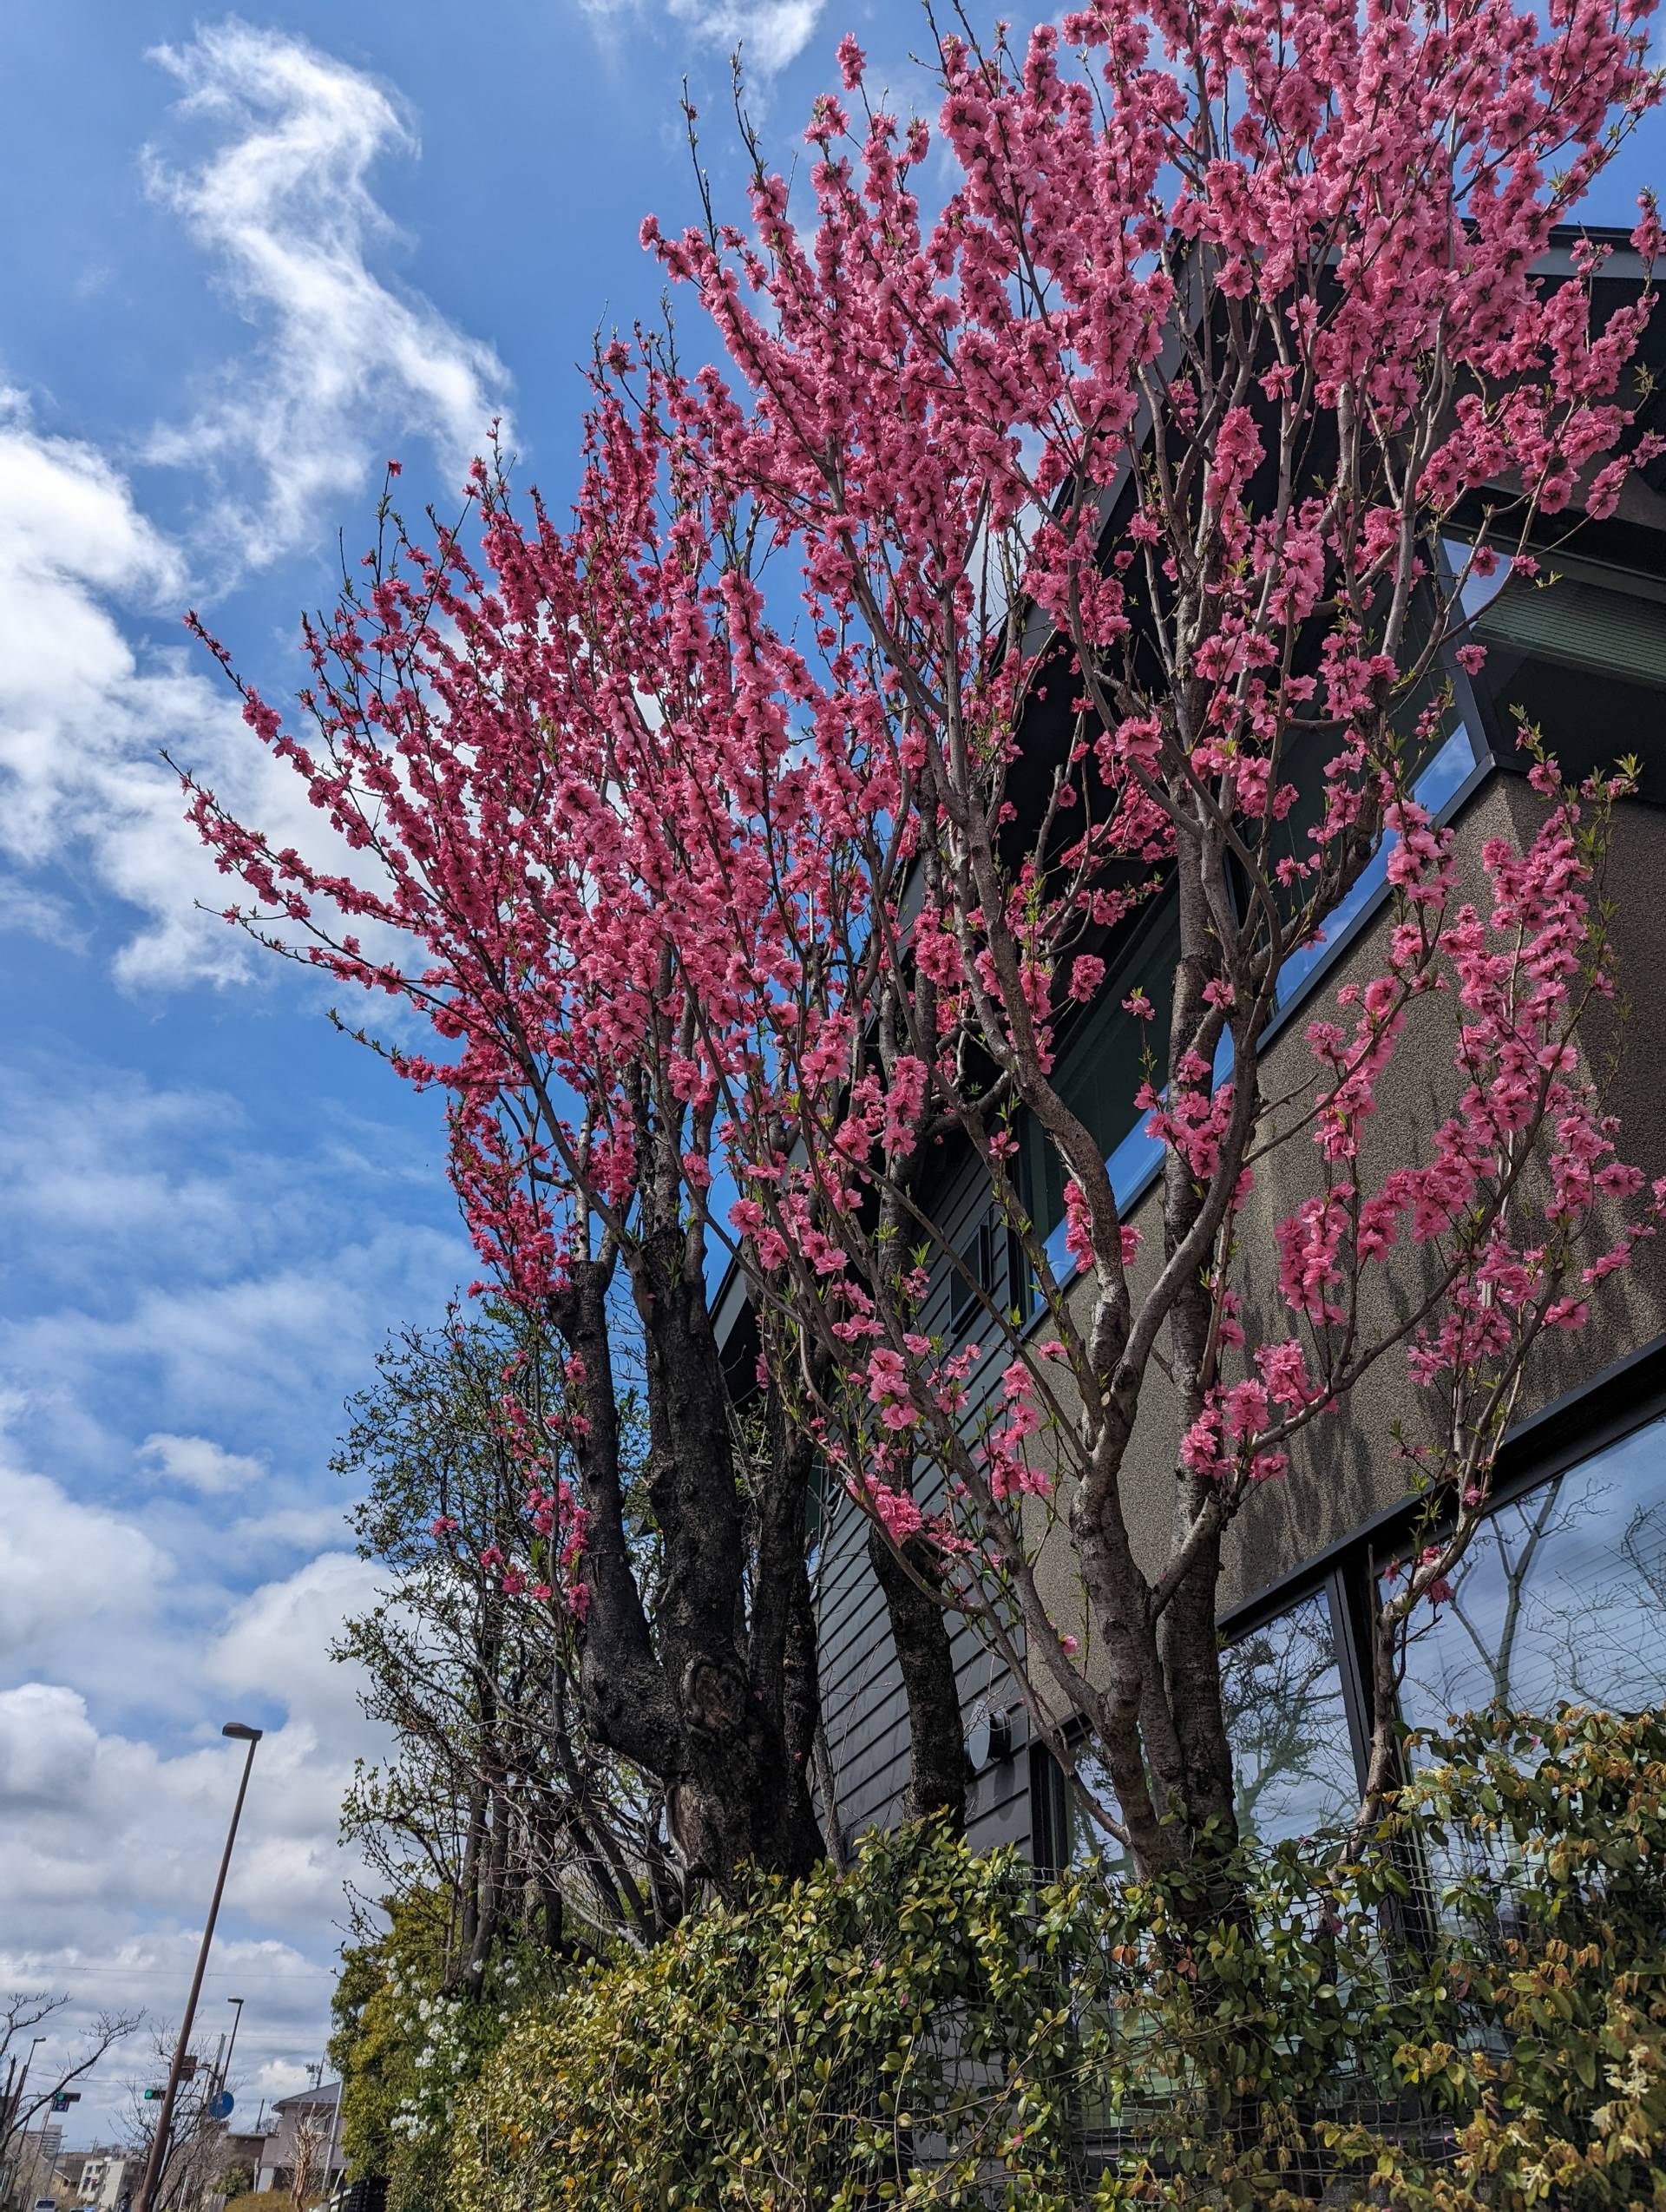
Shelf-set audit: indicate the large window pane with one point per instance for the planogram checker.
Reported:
(1292, 1755)
(1291, 1751)
(1583, 659)
(1102, 1066)
(1562, 1595)
(1086, 1842)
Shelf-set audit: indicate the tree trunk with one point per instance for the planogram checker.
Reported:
(919, 1632)
(696, 1699)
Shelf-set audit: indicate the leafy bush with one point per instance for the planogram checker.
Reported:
(885, 2037)
(408, 2045)
(1471, 2013)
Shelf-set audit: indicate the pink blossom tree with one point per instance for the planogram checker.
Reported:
(1118, 495)
(501, 866)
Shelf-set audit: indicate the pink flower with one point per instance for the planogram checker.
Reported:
(1086, 976)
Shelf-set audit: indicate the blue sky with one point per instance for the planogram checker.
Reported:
(245, 258)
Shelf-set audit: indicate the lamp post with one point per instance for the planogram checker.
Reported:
(237, 2022)
(158, 2158)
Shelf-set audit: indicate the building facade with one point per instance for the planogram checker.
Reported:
(305, 2139)
(1563, 1595)
(100, 2176)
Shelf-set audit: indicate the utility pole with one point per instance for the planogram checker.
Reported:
(14, 2115)
(5, 2129)
(158, 2159)
(335, 2130)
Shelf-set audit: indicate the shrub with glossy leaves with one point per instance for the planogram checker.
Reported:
(1468, 2012)
(892, 2035)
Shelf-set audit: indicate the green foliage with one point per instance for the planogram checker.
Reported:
(1470, 2012)
(407, 2046)
(840, 2041)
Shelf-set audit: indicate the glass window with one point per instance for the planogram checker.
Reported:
(1581, 658)
(1286, 1720)
(1436, 784)
(1292, 1754)
(1102, 1068)
(1086, 1843)
(1561, 1595)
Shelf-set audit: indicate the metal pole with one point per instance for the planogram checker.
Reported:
(17, 2101)
(157, 2159)
(5, 2130)
(335, 2129)
(237, 2022)
(17, 2118)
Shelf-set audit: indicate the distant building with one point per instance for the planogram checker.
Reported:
(306, 2131)
(34, 2164)
(98, 2176)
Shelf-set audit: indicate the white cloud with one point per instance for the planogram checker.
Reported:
(70, 535)
(84, 711)
(108, 1844)
(770, 33)
(200, 1464)
(343, 367)
(63, 1564)
(276, 1642)
(283, 204)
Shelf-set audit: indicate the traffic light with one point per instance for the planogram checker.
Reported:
(154, 2096)
(65, 2098)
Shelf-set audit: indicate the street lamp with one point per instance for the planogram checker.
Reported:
(237, 2022)
(242, 1734)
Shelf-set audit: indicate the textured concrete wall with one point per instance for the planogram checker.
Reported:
(1346, 1470)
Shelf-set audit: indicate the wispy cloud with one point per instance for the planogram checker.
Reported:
(770, 33)
(200, 1464)
(89, 702)
(348, 363)
(85, 704)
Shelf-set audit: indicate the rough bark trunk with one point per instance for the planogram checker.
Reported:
(919, 1632)
(699, 1698)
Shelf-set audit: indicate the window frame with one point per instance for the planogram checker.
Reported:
(1579, 1425)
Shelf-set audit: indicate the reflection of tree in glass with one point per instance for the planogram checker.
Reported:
(1089, 1842)
(1555, 1601)
(1287, 1725)
(1490, 1644)
(1559, 1599)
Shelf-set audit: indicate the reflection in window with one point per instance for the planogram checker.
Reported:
(1561, 1595)
(1102, 1066)
(1287, 1725)
(1292, 1755)
(1086, 1842)
(1580, 658)
(1436, 785)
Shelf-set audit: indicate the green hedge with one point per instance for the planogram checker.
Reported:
(1474, 2016)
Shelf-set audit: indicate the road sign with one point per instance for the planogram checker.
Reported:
(220, 2107)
